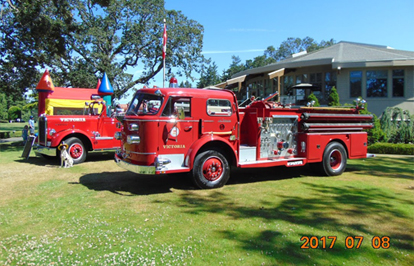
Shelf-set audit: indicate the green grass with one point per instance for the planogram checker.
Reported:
(14, 129)
(97, 214)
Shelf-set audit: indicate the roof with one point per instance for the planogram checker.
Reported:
(72, 93)
(344, 55)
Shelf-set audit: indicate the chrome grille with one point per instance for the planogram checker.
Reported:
(42, 130)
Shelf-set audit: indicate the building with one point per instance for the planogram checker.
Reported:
(381, 75)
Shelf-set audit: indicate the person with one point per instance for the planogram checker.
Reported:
(25, 134)
(31, 126)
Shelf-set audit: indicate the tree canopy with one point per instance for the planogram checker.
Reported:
(80, 40)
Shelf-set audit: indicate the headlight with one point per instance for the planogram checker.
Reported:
(118, 135)
(52, 131)
(133, 127)
(133, 139)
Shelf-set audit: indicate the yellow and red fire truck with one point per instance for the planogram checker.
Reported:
(205, 131)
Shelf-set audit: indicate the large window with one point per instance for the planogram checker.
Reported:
(356, 84)
(316, 80)
(287, 84)
(377, 83)
(330, 82)
(398, 83)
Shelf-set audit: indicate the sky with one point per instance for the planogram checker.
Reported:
(246, 28)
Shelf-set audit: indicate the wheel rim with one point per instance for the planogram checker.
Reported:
(212, 169)
(76, 151)
(335, 159)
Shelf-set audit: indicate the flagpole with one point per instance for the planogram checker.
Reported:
(164, 48)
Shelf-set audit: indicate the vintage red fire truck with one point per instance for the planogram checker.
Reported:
(204, 132)
(92, 131)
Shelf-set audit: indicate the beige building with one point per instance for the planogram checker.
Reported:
(381, 75)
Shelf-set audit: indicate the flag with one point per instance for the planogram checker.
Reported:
(164, 37)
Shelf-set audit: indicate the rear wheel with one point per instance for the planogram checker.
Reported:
(211, 170)
(334, 159)
(76, 150)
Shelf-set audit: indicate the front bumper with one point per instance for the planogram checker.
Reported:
(45, 150)
(139, 169)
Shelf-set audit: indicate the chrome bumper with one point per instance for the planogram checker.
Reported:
(45, 151)
(139, 169)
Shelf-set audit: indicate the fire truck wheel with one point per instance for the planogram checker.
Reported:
(334, 159)
(76, 150)
(211, 170)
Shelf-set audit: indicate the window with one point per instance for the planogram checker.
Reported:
(330, 82)
(216, 107)
(287, 84)
(316, 80)
(356, 84)
(377, 83)
(398, 83)
(177, 106)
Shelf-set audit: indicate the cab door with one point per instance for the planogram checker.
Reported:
(221, 118)
(177, 129)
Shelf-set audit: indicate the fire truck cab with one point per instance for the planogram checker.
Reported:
(204, 132)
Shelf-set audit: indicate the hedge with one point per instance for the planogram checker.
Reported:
(391, 148)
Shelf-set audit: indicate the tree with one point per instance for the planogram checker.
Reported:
(14, 112)
(3, 107)
(209, 77)
(236, 66)
(333, 99)
(311, 98)
(397, 125)
(32, 34)
(90, 38)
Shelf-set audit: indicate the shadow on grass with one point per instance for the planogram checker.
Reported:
(394, 167)
(127, 183)
(130, 184)
(12, 146)
(330, 209)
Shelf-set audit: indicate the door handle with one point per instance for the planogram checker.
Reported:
(188, 128)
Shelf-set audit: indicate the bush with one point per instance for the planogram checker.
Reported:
(333, 99)
(391, 148)
(14, 112)
(311, 98)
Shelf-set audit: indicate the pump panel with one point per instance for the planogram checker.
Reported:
(278, 136)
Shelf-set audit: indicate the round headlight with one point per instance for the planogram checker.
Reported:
(52, 131)
(118, 135)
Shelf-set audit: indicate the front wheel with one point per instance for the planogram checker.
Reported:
(334, 159)
(76, 150)
(211, 170)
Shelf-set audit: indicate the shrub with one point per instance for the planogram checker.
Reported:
(311, 98)
(397, 125)
(333, 99)
(14, 112)
(391, 148)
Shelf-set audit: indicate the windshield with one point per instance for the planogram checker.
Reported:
(144, 103)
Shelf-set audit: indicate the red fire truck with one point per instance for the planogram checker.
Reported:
(92, 131)
(204, 132)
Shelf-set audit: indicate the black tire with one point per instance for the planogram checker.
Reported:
(211, 170)
(76, 150)
(334, 159)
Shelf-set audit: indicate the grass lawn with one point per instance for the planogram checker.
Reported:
(15, 129)
(98, 214)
